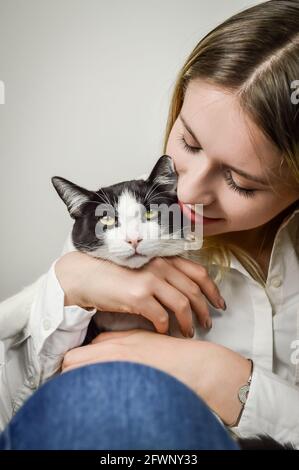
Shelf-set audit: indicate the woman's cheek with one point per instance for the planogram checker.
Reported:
(235, 206)
(254, 217)
(180, 162)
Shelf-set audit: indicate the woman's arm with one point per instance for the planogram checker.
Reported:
(213, 372)
(75, 282)
(32, 353)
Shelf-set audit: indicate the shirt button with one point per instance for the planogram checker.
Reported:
(276, 281)
(31, 383)
(46, 324)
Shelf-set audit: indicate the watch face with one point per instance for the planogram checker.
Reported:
(243, 392)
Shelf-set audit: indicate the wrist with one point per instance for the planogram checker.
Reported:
(220, 389)
(70, 271)
(242, 395)
(234, 406)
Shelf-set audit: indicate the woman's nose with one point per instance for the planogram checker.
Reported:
(193, 188)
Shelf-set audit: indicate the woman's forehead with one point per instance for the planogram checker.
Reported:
(225, 131)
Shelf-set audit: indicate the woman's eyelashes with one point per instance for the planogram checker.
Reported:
(238, 189)
(188, 147)
(227, 175)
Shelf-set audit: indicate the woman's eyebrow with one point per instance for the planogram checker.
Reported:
(188, 128)
(256, 179)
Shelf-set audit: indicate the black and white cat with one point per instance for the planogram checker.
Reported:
(118, 223)
(130, 234)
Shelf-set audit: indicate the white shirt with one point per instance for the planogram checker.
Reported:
(262, 324)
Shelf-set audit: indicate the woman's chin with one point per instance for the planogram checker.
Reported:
(209, 231)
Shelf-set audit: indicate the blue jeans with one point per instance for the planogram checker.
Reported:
(115, 405)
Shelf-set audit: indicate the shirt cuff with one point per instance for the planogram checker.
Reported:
(272, 407)
(48, 314)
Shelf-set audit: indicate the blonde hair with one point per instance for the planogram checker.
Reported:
(254, 54)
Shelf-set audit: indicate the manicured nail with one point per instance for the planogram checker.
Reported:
(191, 332)
(208, 323)
(222, 303)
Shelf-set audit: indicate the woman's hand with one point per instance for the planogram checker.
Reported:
(214, 372)
(176, 283)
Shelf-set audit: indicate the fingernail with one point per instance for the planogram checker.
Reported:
(222, 303)
(208, 323)
(191, 333)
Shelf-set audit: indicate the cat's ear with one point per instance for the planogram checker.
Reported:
(73, 196)
(164, 173)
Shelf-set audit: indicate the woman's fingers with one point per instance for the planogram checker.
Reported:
(151, 309)
(193, 292)
(177, 303)
(200, 276)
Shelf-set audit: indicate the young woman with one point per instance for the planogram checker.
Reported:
(233, 134)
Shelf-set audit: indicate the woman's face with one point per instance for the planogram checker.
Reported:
(216, 148)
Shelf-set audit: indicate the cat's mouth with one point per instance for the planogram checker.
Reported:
(135, 255)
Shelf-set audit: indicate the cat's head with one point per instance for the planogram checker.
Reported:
(118, 222)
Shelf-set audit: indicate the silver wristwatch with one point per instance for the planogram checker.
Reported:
(244, 390)
(242, 395)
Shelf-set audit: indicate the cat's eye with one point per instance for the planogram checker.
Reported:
(149, 215)
(107, 220)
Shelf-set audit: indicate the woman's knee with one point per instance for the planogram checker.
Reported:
(115, 405)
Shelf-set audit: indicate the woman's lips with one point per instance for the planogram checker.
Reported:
(193, 216)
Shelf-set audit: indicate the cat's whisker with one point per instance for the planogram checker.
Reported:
(156, 195)
(95, 202)
(150, 191)
(105, 195)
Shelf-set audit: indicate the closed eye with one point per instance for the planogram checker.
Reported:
(187, 147)
(227, 174)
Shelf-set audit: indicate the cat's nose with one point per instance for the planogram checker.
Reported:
(134, 241)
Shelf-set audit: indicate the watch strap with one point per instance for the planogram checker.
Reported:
(243, 394)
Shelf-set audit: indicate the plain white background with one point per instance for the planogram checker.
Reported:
(88, 86)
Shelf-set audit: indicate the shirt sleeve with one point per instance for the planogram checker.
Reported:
(15, 311)
(54, 328)
(272, 407)
(36, 331)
